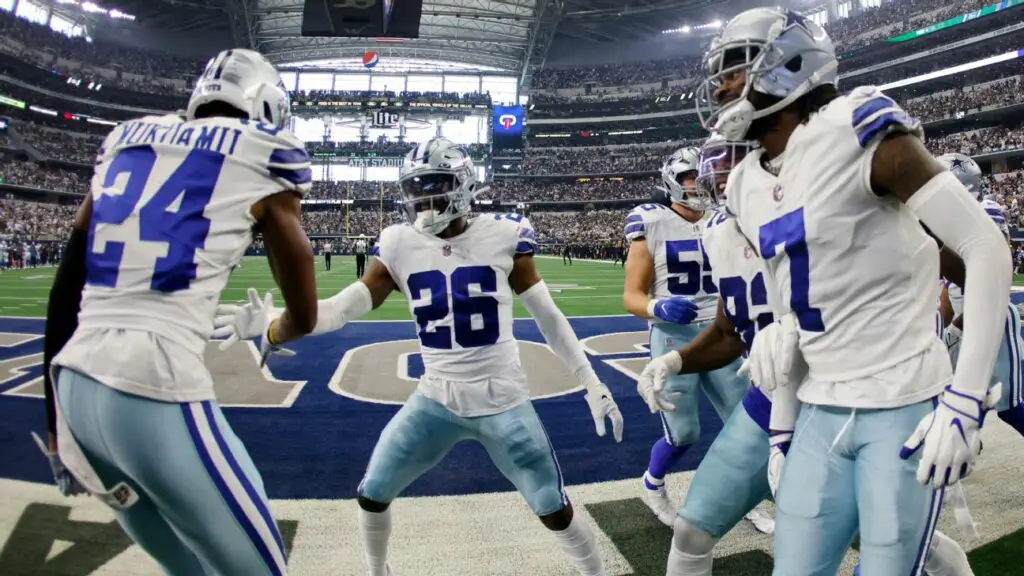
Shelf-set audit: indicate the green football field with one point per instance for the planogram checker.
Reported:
(583, 289)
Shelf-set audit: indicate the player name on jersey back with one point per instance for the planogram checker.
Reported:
(171, 217)
(461, 300)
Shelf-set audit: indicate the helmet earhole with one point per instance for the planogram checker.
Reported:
(795, 64)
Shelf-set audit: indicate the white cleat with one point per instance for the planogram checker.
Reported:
(658, 501)
(761, 520)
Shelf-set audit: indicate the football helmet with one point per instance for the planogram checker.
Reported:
(680, 164)
(966, 171)
(718, 156)
(246, 80)
(438, 183)
(781, 53)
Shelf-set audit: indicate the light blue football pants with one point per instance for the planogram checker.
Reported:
(423, 432)
(733, 476)
(723, 387)
(1008, 363)
(843, 473)
(202, 509)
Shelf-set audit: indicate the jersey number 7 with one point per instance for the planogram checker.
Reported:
(788, 230)
(183, 228)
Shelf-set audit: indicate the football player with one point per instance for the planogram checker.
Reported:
(668, 282)
(459, 274)
(1008, 364)
(855, 325)
(172, 209)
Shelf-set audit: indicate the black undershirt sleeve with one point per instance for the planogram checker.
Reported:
(62, 312)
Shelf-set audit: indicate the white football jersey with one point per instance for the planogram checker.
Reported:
(681, 268)
(857, 270)
(170, 218)
(461, 300)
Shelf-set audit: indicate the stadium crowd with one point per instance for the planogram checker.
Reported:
(595, 160)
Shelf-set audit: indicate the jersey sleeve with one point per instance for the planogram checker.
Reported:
(875, 116)
(287, 161)
(526, 239)
(639, 220)
(384, 249)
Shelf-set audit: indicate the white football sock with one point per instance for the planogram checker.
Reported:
(946, 558)
(682, 564)
(578, 542)
(376, 529)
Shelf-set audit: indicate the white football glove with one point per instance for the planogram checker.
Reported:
(951, 338)
(65, 481)
(779, 442)
(652, 381)
(249, 321)
(773, 354)
(951, 436)
(602, 406)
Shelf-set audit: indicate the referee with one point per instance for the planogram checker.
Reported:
(360, 249)
(327, 254)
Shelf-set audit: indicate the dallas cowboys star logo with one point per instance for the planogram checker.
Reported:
(957, 164)
(795, 19)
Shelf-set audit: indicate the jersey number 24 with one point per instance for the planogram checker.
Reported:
(183, 228)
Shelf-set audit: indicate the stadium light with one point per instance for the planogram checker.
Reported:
(954, 70)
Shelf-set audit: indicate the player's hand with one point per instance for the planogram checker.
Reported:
(779, 441)
(602, 406)
(652, 381)
(951, 338)
(677, 309)
(773, 354)
(951, 436)
(65, 481)
(252, 320)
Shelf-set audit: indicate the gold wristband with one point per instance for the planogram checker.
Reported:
(270, 332)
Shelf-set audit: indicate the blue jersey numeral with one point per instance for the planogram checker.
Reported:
(685, 270)
(464, 307)
(511, 216)
(183, 229)
(789, 231)
(734, 289)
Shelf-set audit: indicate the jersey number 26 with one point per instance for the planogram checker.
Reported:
(463, 307)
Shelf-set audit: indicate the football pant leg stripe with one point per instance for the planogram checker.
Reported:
(926, 539)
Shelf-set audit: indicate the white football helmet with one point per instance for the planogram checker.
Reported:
(438, 183)
(966, 171)
(718, 156)
(781, 53)
(680, 164)
(245, 80)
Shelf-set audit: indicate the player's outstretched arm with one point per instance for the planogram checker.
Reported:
(639, 277)
(558, 333)
(717, 345)
(280, 218)
(356, 300)
(950, 437)
(63, 306)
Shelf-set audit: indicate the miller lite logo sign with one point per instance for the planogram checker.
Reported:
(382, 119)
(507, 121)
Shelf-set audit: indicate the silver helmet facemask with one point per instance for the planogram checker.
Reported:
(780, 53)
(718, 157)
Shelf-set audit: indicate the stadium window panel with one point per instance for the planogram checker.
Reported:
(843, 9)
(316, 81)
(32, 12)
(480, 173)
(462, 84)
(461, 132)
(395, 84)
(870, 3)
(309, 129)
(424, 83)
(344, 133)
(7, 5)
(352, 82)
(345, 172)
(502, 88)
(382, 173)
(289, 79)
(820, 17)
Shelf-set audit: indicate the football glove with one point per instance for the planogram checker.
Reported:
(65, 481)
(773, 354)
(951, 436)
(249, 321)
(602, 406)
(951, 338)
(779, 441)
(652, 381)
(677, 309)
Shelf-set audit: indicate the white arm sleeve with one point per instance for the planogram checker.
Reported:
(785, 408)
(558, 333)
(948, 210)
(351, 303)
